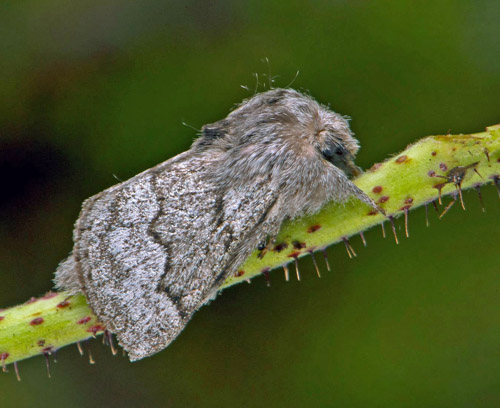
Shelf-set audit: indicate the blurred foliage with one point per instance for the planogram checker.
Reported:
(95, 90)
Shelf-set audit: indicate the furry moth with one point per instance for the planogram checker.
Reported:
(150, 251)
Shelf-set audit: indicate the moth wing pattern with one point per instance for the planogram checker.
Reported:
(150, 251)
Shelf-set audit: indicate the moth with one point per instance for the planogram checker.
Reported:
(150, 251)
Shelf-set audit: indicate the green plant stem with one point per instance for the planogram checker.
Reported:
(419, 175)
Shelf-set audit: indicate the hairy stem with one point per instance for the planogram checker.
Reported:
(427, 170)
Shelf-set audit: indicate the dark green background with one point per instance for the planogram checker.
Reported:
(97, 89)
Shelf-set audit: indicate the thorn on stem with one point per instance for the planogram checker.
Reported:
(315, 264)
(91, 359)
(348, 247)
(426, 214)
(287, 273)
(363, 238)
(325, 255)
(447, 208)
(480, 196)
(80, 350)
(297, 268)
(496, 180)
(16, 369)
(435, 206)
(487, 153)
(47, 362)
(407, 232)
(265, 272)
(108, 334)
(383, 229)
(393, 226)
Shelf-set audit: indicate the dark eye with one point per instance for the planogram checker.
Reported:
(329, 153)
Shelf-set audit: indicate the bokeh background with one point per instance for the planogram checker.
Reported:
(98, 90)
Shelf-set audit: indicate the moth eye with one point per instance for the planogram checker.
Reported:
(327, 153)
(339, 151)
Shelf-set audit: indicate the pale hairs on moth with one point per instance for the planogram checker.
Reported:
(150, 251)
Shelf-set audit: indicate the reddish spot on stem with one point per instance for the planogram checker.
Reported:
(41, 343)
(401, 159)
(4, 356)
(63, 304)
(1, 318)
(377, 189)
(280, 247)
(383, 199)
(48, 350)
(409, 200)
(443, 166)
(298, 245)
(49, 295)
(373, 212)
(294, 254)
(239, 273)
(84, 320)
(37, 321)
(431, 173)
(498, 160)
(313, 228)
(433, 153)
(375, 167)
(31, 300)
(96, 328)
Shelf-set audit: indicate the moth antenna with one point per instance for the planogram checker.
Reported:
(47, 362)
(407, 232)
(348, 247)
(191, 127)
(287, 272)
(383, 230)
(447, 208)
(16, 369)
(480, 196)
(487, 153)
(297, 267)
(393, 226)
(325, 255)
(269, 76)
(256, 75)
(293, 80)
(363, 239)
(315, 264)
(79, 346)
(426, 214)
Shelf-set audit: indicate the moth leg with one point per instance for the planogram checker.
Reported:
(264, 247)
(362, 196)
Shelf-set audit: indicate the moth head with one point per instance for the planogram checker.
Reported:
(282, 128)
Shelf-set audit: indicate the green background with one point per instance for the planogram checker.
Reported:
(98, 90)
